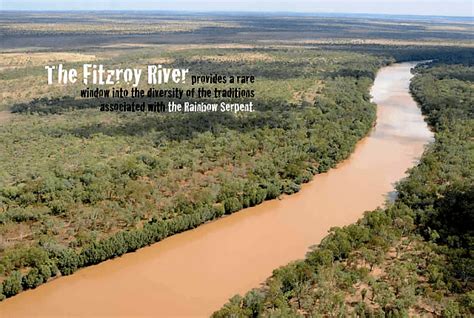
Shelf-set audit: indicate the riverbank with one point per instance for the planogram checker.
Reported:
(236, 253)
(412, 258)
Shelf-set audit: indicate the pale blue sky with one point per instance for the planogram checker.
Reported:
(415, 7)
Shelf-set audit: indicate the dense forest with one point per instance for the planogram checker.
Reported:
(79, 187)
(412, 258)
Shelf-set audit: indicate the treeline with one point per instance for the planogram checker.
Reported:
(56, 105)
(449, 55)
(441, 188)
(140, 179)
(48, 261)
(414, 257)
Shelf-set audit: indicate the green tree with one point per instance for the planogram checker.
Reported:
(12, 284)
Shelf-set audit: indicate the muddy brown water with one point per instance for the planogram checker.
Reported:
(194, 273)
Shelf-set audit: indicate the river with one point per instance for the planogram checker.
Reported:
(193, 273)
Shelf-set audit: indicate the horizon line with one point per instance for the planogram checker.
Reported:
(240, 12)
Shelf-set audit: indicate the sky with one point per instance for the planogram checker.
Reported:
(404, 7)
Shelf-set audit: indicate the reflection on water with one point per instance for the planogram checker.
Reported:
(194, 273)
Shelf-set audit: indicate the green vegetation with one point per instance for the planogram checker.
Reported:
(79, 187)
(412, 258)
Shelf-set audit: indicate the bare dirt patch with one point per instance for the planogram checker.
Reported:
(237, 57)
(10, 60)
(5, 116)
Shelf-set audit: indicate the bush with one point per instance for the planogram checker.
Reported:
(12, 284)
(67, 261)
(32, 279)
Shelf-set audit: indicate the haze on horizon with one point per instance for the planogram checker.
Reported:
(462, 8)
